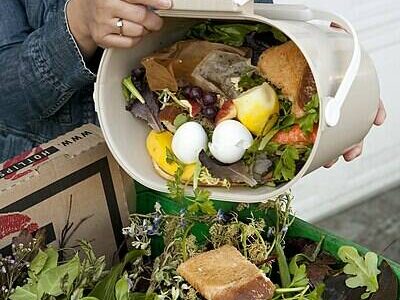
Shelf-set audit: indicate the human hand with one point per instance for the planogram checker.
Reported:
(355, 151)
(93, 23)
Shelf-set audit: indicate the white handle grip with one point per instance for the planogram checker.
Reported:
(213, 5)
(302, 13)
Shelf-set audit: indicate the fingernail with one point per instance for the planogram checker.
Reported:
(353, 154)
(380, 119)
(165, 4)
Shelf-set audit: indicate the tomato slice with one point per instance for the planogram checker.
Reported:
(295, 136)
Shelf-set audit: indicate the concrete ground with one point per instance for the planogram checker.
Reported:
(375, 223)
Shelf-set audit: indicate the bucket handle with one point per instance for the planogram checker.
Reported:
(302, 13)
(238, 6)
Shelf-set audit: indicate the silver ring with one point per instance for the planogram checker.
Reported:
(120, 24)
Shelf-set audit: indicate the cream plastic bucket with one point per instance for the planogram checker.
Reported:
(345, 77)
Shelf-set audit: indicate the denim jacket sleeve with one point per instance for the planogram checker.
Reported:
(40, 64)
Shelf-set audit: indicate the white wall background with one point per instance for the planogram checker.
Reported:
(327, 191)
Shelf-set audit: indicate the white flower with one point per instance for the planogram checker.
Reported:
(127, 231)
(185, 287)
(157, 207)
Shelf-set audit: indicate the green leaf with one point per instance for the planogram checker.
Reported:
(142, 296)
(27, 292)
(286, 166)
(105, 289)
(299, 274)
(180, 120)
(196, 175)
(122, 288)
(202, 202)
(307, 122)
(90, 298)
(317, 293)
(58, 280)
(176, 191)
(284, 271)
(364, 271)
(249, 81)
(135, 94)
(230, 34)
(52, 259)
(38, 263)
(311, 116)
(313, 104)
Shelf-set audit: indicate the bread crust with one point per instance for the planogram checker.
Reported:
(286, 68)
(225, 274)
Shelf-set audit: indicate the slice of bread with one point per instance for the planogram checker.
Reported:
(286, 68)
(225, 274)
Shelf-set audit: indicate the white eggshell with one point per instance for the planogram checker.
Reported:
(188, 141)
(230, 141)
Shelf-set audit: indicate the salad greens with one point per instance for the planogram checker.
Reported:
(285, 168)
(311, 116)
(249, 81)
(130, 91)
(231, 34)
(364, 271)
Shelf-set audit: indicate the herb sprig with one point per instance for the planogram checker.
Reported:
(285, 168)
(311, 116)
(201, 201)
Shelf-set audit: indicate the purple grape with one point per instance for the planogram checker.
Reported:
(196, 93)
(138, 74)
(210, 112)
(209, 99)
(187, 91)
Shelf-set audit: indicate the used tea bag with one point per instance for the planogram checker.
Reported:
(218, 68)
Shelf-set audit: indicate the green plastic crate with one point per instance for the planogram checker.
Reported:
(146, 200)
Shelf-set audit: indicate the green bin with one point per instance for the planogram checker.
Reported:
(146, 200)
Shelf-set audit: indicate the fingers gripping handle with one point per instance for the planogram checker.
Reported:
(302, 13)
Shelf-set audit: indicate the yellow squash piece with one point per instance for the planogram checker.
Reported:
(256, 107)
(157, 144)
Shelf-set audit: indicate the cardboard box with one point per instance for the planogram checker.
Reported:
(73, 176)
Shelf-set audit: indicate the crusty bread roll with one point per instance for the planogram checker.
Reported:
(286, 68)
(225, 274)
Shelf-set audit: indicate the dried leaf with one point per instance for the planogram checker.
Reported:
(173, 66)
(235, 173)
(336, 289)
(317, 273)
(388, 284)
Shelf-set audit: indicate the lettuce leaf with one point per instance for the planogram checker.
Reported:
(235, 173)
(231, 34)
(364, 271)
(149, 109)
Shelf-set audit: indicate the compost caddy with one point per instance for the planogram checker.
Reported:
(345, 76)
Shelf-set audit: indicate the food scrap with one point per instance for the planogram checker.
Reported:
(238, 97)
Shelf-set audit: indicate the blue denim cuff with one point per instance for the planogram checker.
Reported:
(58, 61)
